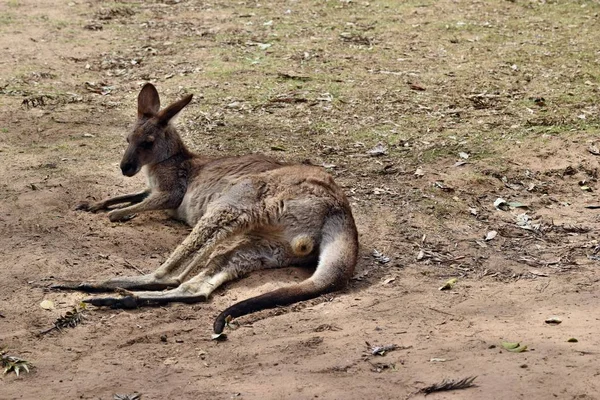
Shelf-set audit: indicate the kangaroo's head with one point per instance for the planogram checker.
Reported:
(152, 139)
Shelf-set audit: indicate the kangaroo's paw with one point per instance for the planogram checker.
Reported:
(91, 206)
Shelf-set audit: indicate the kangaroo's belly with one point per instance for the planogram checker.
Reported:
(193, 206)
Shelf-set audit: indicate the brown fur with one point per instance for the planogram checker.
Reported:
(247, 213)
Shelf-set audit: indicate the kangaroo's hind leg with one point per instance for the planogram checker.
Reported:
(222, 221)
(140, 282)
(187, 257)
(170, 274)
(221, 268)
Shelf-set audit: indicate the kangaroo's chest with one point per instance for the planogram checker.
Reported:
(151, 180)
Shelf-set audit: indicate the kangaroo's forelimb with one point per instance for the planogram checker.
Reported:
(156, 200)
(132, 198)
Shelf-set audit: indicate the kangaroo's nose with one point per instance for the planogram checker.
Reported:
(128, 169)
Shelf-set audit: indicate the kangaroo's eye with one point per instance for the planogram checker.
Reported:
(146, 145)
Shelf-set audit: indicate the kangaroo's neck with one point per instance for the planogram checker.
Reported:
(174, 165)
(174, 149)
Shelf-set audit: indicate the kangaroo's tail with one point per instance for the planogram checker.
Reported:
(338, 252)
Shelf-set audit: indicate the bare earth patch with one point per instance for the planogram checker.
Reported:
(426, 112)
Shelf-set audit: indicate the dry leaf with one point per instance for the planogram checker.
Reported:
(378, 150)
(537, 273)
(47, 305)
(553, 320)
(449, 284)
(501, 204)
(443, 187)
(416, 86)
(170, 361)
(514, 347)
(490, 235)
(380, 257)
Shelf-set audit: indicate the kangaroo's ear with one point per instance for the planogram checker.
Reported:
(148, 101)
(169, 112)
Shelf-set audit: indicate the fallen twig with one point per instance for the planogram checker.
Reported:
(292, 76)
(449, 384)
(70, 320)
(379, 367)
(288, 99)
(132, 396)
(130, 265)
(440, 311)
(13, 363)
(381, 350)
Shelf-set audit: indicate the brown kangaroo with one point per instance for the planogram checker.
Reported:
(247, 213)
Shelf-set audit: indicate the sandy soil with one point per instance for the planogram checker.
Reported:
(511, 84)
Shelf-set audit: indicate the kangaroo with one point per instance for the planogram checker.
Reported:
(247, 213)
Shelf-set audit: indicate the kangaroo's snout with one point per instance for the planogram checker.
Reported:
(129, 169)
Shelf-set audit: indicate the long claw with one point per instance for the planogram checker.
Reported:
(127, 302)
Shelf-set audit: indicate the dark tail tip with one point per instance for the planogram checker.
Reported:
(219, 324)
(277, 298)
(262, 302)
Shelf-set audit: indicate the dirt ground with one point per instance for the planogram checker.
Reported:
(425, 111)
